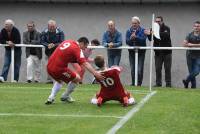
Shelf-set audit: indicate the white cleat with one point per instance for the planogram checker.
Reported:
(1, 79)
(94, 101)
(131, 101)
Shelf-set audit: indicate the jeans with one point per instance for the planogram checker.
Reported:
(167, 60)
(189, 65)
(141, 58)
(114, 57)
(195, 69)
(7, 62)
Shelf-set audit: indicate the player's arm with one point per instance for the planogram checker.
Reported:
(93, 71)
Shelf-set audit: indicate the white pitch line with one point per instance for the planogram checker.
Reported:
(130, 114)
(59, 115)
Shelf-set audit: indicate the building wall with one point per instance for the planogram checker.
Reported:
(90, 20)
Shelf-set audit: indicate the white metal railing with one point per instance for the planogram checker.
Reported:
(136, 48)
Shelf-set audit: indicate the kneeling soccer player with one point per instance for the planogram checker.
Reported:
(111, 87)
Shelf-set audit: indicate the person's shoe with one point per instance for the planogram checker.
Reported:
(157, 85)
(131, 101)
(168, 85)
(49, 82)
(36, 81)
(99, 101)
(49, 101)
(67, 99)
(185, 83)
(28, 81)
(94, 101)
(1, 79)
(125, 101)
(80, 82)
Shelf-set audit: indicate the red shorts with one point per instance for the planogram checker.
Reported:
(64, 74)
(118, 96)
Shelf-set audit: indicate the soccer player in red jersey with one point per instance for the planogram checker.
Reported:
(111, 86)
(69, 51)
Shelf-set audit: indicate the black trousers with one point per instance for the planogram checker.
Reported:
(165, 59)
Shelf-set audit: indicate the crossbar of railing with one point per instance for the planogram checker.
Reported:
(122, 47)
(136, 48)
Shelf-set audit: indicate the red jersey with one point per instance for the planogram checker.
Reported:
(68, 51)
(111, 87)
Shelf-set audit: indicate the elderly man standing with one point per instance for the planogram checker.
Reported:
(33, 54)
(10, 35)
(51, 37)
(112, 38)
(135, 36)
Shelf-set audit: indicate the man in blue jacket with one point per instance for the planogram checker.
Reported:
(51, 37)
(112, 38)
(135, 36)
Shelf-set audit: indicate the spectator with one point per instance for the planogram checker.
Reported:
(112, 38)
(51, 37)
(10, 35)
(135, 36)
(162, 56)
(33, 54)
(193, 57)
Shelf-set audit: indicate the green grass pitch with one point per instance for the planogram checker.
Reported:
(169, 111)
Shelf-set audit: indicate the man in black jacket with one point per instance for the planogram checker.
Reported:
(162, 56)
(10, 35)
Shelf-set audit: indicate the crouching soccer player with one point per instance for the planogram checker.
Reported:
(111, 87)
(68, 51)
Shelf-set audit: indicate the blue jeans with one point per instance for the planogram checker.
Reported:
(195, 69)
(141, 58)
(114, 57)
(7, 62)
(189, 65)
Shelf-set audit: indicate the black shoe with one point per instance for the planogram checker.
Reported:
(36, 81)
(49, 82)
(28, 81)
(168, 85)
(185, 84)
(157, 85)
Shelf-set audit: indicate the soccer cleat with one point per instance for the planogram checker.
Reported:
(131, 101)
(185, 83)
(1, 79)
(94, 101)
(99, 101)
(28, 81)
(67, 99)
(125, 101)
(49, 101)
